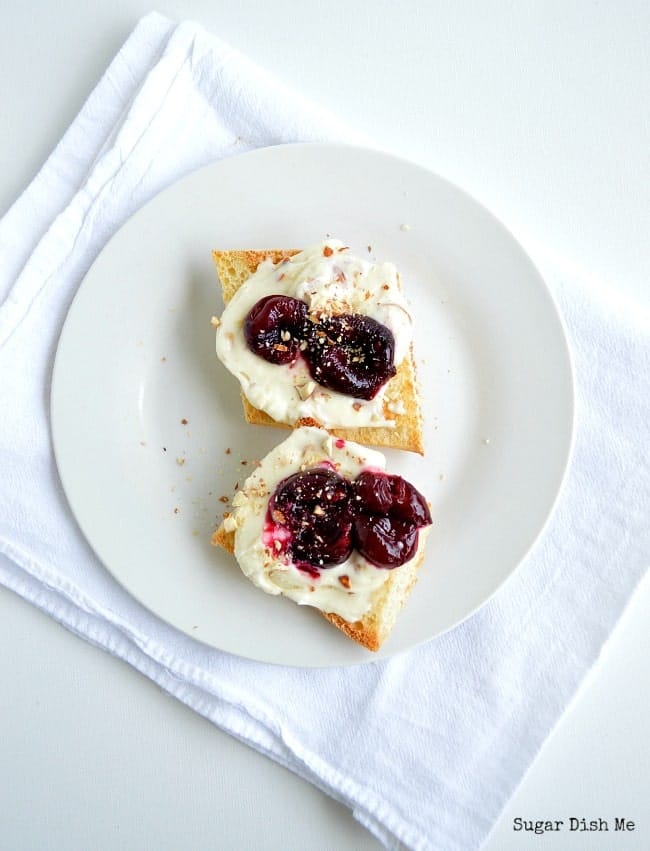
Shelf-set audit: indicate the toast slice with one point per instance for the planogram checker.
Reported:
(387, 600)
(402, 401)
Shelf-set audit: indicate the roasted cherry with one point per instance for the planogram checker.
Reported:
(351, 353)
(274, 328)
(381, 493)
(315, 507)
(388, 513)
(385, 541)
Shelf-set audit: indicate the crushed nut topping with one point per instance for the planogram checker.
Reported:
(305, 388)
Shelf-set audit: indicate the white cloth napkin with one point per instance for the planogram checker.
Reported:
(425, 748)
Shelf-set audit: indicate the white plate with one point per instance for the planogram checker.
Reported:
(136, 358)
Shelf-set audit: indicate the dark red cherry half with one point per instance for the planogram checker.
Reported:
(388, 513)
(315, 507)
(385, 541)
(274, 328)
(351, 354)
(381, 493)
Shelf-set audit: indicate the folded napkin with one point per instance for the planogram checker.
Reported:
(427, 747)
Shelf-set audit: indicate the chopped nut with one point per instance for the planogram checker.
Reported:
(278, 516)
(305, 388)
(357, 406)
(327, 251)
(224, 499)
(183, 421)
(180, 461)
(318, 511)
(230, 523)
(215, 321)
(345, 581)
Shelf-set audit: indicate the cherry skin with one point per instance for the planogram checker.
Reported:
(315, 507)
(378, 493)
(385, 541)
(388, 513)
(274, 328)
(351, 354)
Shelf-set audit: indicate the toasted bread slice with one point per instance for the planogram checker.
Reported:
(234, 268)
(377, 623)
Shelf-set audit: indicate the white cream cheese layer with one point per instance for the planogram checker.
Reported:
(331, 281)
(306, 448)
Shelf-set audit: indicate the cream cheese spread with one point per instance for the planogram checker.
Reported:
(330, 281)
(346, 589)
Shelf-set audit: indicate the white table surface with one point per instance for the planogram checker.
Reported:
(540, 110)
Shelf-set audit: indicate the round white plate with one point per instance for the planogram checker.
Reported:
(148, 429)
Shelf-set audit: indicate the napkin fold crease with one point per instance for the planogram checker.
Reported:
(425, 748)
